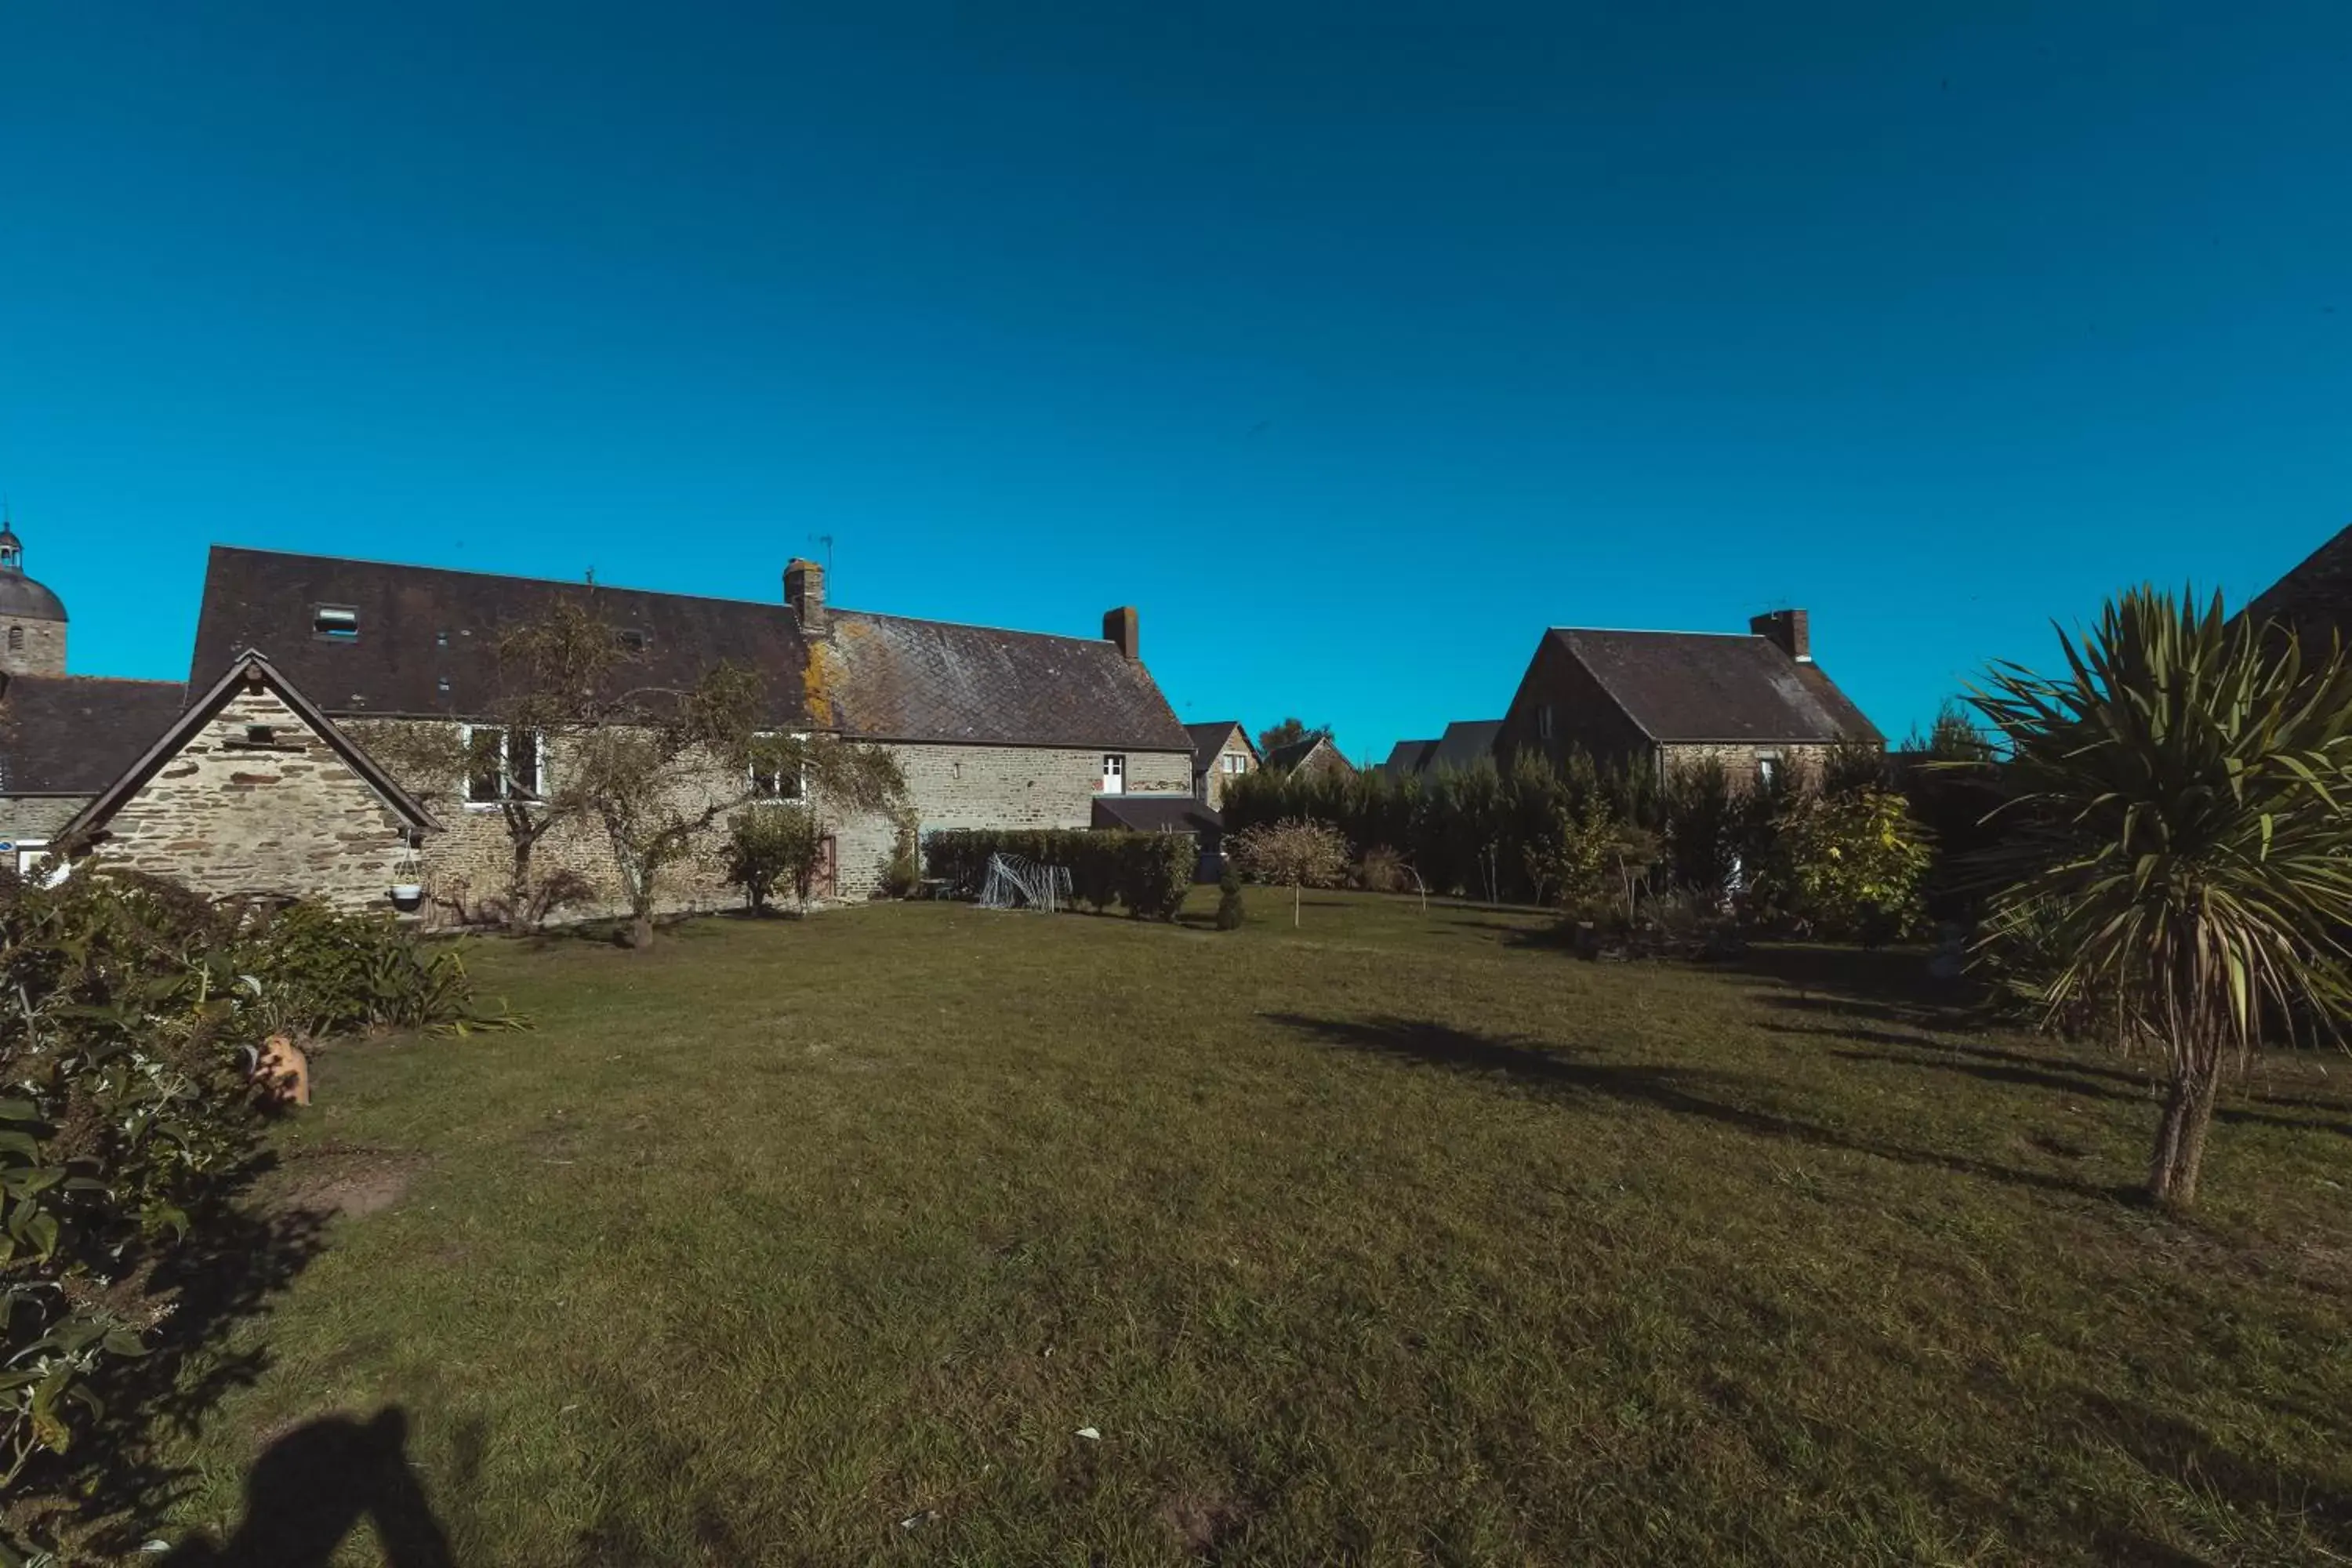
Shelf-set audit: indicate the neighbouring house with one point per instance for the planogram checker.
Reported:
(1757, 702)
(1407, 758)
(1170, 814)
(63, 738)
(1314, 754)
(1221, 752)
(2314, 599)
(251, 790)
(991, 728)
(1462, 745)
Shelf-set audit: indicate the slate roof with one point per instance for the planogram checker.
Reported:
(420, 626)
(1464, 742)
(1209, 742)
(2315, 597)
(1408, 757)
(73, 734)
(1156, 814)
(1287, 757)
(1699, 686)
(891, 678)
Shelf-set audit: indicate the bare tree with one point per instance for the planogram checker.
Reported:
(1295, 853)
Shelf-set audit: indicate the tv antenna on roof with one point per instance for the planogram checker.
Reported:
(826, 540)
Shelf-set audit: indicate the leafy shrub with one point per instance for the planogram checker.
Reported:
(902, 868)
(1855, 863)
(1297, 854)
(772, 846)
(1230, 913)
(130, 1115)
(1146, 873)
(1381, 869)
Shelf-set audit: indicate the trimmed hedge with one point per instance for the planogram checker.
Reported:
(1146, 873)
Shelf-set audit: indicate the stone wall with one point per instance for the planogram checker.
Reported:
(999, 786)
(467, 865)
(44, 652)
(1212, 793)
(1802, 763)
(227, 816)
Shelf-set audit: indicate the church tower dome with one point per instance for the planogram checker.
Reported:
(32, 619)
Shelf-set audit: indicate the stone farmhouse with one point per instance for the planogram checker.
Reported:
(236, 781)
(1757, 702)
(1221, 752)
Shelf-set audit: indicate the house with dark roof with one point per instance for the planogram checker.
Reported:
(1756, 702)
(991, 728)
(63, 738)
(2314, 599)
(1221, 752)
(1462, 745)
(1314, 754)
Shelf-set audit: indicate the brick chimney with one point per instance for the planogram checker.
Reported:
(1119, 627)
(1792, 630)
(805, 592)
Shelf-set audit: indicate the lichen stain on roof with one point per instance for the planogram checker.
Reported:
(891, 678)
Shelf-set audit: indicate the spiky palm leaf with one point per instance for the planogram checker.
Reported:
(2181, 831)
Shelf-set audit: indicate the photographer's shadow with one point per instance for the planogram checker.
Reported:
(313, 1487)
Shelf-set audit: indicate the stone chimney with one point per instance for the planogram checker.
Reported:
(805, 592)
(1792, 630)
(1119, 627)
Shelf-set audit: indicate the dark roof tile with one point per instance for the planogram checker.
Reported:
(419, 625)
(889, 677)
(72, 734)
(1698, 686)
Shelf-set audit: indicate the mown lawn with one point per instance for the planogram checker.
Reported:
(1402, 1238)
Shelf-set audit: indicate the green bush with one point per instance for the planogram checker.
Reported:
(772, 846)
(902, 868)
(1147, 874)
(1230, 913)
(136, 1012)
(1854, 863)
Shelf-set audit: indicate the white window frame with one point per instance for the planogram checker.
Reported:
(1769, 769)
(1235, 762)
(1113, 773)
(506, 766)
(800, 786)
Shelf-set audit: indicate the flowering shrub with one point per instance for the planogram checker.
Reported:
(1854, 864)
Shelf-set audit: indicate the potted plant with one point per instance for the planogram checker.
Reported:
(408, 893)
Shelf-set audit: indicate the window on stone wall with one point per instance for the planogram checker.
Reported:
(1767, 768)
(501, 765)
(15, 639)
(1235, 762)
(1113, 773)
(774, 774)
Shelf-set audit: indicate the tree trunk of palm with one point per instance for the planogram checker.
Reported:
(1298, 893)
(2180, 1136)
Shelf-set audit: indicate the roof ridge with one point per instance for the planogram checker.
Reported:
(1659, 632)
(973, 626)
(778, 605)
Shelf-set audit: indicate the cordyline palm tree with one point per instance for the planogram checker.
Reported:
(2183, 829)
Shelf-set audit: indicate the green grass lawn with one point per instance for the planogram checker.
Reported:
(1400, 1238)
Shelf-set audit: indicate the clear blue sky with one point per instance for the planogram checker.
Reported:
(1354, 346)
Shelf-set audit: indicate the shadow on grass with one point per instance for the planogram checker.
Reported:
(1548, 1070)
(312, 1487)
(2183, 1456)
(2083, 1082)
(239, 1256)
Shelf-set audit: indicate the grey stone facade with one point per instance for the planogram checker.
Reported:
(227, 816)
(29, 647)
